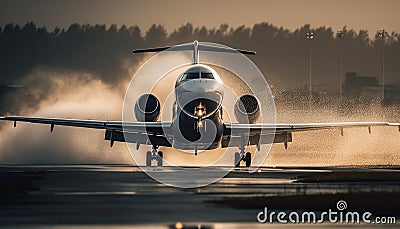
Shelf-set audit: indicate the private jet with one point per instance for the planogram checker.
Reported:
(197, 122)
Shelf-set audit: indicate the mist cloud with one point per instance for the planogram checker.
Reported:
(75, 95)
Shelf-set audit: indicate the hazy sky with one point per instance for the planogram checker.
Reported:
(357, 14)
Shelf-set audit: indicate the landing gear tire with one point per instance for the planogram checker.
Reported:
(238, 159)
(248, 159)
(149, 157)
(160, 158)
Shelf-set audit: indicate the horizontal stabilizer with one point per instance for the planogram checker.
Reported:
(158, 49)
(202, 47)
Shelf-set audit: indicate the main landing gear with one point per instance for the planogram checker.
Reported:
(242, 156)
(154, 155)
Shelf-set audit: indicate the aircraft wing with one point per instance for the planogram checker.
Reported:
(135, 132)
(159, 133)
(258, 133)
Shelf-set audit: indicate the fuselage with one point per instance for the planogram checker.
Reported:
(197, 112)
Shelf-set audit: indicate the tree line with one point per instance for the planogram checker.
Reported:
(282, 54)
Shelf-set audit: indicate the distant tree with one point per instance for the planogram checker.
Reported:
(156, 35)
(184, 34)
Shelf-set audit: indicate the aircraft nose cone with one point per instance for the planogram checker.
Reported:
(199, 85)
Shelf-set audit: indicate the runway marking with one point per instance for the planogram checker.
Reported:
(92, 193)
(239, 181)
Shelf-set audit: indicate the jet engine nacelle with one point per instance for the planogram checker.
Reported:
(147, 108)
(247, 109)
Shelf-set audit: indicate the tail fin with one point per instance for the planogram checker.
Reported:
(196, 47)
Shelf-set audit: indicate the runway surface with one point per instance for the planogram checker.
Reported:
(123, 196)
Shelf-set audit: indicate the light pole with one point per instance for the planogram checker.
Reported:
(382, 34)
(339, 35)
(310, 37)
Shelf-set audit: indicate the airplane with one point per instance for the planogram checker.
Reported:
(197, 111)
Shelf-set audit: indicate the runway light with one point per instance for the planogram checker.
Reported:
(310, 35)
(178, 225)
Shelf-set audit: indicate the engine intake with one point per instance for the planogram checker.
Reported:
(247, 109)
(147, 108)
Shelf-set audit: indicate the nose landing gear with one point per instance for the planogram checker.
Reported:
(199, 112)
(154, 155)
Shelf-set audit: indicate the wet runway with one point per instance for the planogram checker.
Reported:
(124, 196)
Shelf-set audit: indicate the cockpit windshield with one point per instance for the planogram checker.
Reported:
(196, 75)
(207, 75)
(190, 76)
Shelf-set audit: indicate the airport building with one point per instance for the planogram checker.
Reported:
(364, 88)
(367, 89)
